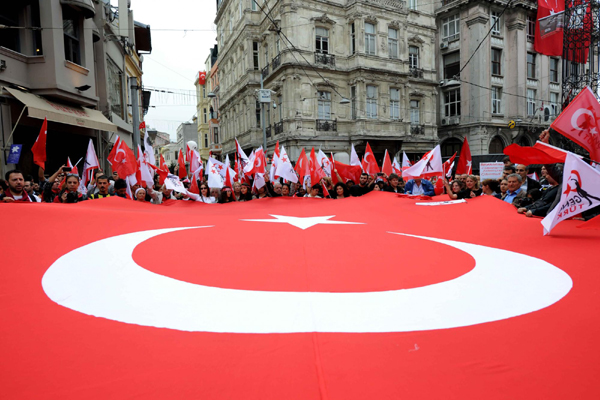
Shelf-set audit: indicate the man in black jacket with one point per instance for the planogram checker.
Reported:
(394, 184)
(363, 187)
(543, 206)
(528, 183)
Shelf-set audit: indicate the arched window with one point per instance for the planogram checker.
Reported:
(451, 146)
(524, 140)
(496, 146)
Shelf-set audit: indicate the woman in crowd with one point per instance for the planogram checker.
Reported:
(503, 189)
(140, 195)
(314, 192)
(245, 193)
(472, 188)
(454, 189)
(285, 190)
(490, 187)
(262, 192)
(226, 195)
(340, 191)
(237, 187)
(70, 191)
(204, 196)
(378, 186)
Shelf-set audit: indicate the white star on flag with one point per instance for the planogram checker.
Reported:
(303, 222)
(15, 150)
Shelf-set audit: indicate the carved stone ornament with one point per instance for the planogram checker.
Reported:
(323, 19)
(395, 24)
(417, 93)
(415, 39)
(371, 19)
(354, 17)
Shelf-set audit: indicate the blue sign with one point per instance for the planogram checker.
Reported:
(15, 153)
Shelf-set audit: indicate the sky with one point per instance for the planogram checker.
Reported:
(177, 55)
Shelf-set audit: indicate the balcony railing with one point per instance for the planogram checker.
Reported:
(446, 2)
(325, 59)
(417, 129)
(327, 125)
(276, 62)
(416, 72)
(265, 72)
(268, 130)
(278, 128)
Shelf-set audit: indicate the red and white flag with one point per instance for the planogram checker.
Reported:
(324, 163)
(145, 173)
(284, 167)
(302, 167)
(74, 169)
(369, 163)
(448, 165)
(429, 165)
(182, 173)
(148, 149)
(316, 172)
(354, 160)
(406, 164)
(580, 192)
(548, 38)
(90, 163)
(39, 147)
(256, 164)
(465, 161)
(534, 176)
(242, 157)
(122, 159)
(213, 170)
(386, 167)
(580, 122)
(396, 167)
(346, 172)
(228, 178)
(273, 170)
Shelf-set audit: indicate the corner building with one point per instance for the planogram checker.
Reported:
(378, 54)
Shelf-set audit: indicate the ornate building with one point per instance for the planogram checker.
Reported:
(355, 71)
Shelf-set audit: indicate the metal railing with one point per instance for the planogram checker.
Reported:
(416, 72)
(268, 130)
(327, 125)
(265, 72)
(278, 127)
(325, 59)
(417, 129)
(276, 62)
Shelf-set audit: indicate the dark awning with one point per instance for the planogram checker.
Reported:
(143, 38)
(87, 6)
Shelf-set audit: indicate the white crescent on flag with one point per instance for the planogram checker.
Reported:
(577, 114)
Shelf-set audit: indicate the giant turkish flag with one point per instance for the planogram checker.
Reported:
(158, 306)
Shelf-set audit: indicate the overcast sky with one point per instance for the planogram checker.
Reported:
(177, 56)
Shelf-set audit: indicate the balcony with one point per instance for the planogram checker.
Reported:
(279, 127)
(417, 129)
(268, 131)
(416, 72)
(325, 59)
(326, 125)
(265, 72)
(276, 62)
(446, 2)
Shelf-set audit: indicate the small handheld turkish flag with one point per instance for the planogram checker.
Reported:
(465, 161)
(182, 168)
(387, 168)
(580, 122)
(39, 147)
(369, 162)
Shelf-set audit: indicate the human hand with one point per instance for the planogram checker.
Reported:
(521, 210)
(545, 136)
(8, 200)
(529, 213)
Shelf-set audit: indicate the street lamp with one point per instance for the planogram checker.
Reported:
(344, 101)
(211, 95)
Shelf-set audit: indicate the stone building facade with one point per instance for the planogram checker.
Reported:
(506, 80)
(355, 71)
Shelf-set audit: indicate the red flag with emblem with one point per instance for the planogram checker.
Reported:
(302, 167)
(447, 166)
(316, 172)
(122, 159)
(580, 122)
(39, 147)
(386, 168)
(369, 162)
(182, 168)
(465, 160)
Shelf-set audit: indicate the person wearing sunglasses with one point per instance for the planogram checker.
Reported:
(204, 196)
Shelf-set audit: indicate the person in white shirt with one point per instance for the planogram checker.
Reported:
(314, 192)
(204, 196)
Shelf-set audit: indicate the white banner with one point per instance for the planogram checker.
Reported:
(491, 170)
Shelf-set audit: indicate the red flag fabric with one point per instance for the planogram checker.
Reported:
(228, 178)
(341, 345)
(530, 155)
(580, 122)
(39, 147)
(162, 171)
(386, 167)
(74, 169)
(182, 168)
(447, 166)
(302, 165)
(548, 38)
(91, 162)
(142, 125)
(346, 172)
(202, 78)
(122, 159)
(465, 161)
(369, 163)
(316, 172)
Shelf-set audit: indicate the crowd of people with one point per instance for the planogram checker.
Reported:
(529, 196)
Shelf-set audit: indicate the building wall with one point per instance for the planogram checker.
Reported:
(296, 84)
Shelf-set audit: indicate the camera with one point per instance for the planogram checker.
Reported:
(72, 197)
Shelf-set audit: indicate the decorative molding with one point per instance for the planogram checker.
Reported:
(323, 19)
(394, 24)
(416, 39)
(371, 19)
(478, 19)
(77, 68)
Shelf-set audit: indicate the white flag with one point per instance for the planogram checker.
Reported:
(242, 157)
(429, 165)
(324, 163)
(172, 182)
(145, 172)
(215, 179)
(405, 161)
(148, 150)
(396, 167)
(580, 192)
(284, 167)
(90, 163)
(354, 160)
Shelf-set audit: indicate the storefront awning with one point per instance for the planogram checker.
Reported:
(84, 5)
(39, 107)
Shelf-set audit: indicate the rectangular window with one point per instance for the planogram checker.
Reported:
(451, 28)
(216, 135)
(324, 105)
(452, 103)
(254, 5)
(370, 41)
(531, 101)
(278, 44)
(371, 102)
(115, 88)
(255, 55)
(257, 112)
(554, 70)
(413, 56)
(553, 104)
(412, 4)
(495, 21)
(393, 43)
(497, 62)
(451, 65)
(353, 102)
(496, 100)
(415, 115)
(352, 39)
(206, 140)
(322, 41)
(205, 113)
(531, 65)
(530, 28)
(394, 104)
(71, 36)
